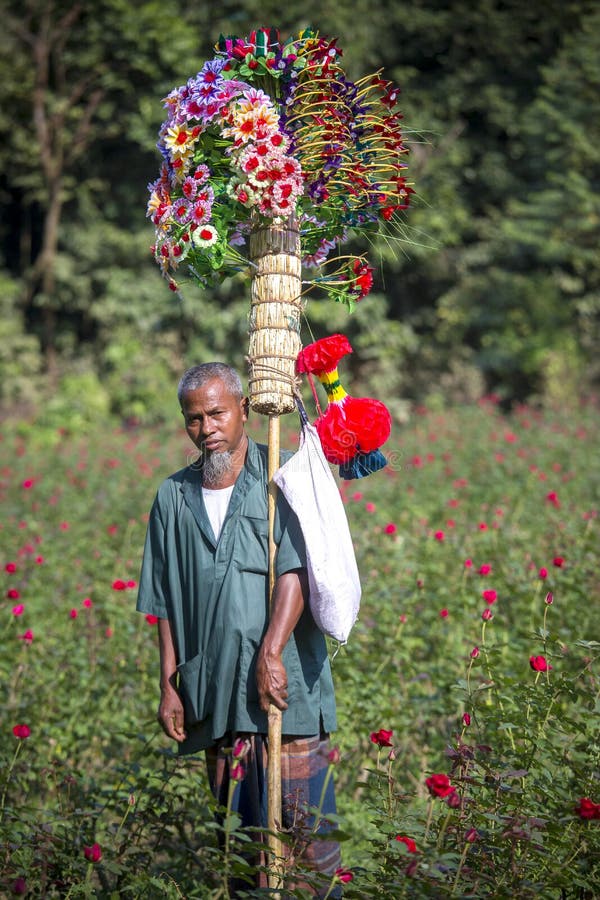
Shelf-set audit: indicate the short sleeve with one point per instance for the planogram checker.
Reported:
(152, 593)
(291, 551)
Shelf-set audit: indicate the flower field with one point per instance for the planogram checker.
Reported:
(468, 693)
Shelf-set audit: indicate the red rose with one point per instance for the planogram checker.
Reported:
(344, 875)
(587, 809)
(382, 737)
(21, 731)
(410, 844)
(439, 785)
(539, 664)
(93, 853)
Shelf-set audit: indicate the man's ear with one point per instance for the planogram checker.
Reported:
(246, 407)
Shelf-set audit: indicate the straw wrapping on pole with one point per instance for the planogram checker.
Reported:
(275, 310)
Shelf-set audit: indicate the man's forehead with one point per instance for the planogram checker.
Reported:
(213, 391)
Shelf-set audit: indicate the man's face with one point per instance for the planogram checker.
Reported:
(214, 418)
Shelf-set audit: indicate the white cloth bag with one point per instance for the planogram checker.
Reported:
(309, 487)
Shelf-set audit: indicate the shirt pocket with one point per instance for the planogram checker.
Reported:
(251, 552)
(196, 688)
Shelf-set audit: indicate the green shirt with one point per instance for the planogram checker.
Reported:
(216, 596)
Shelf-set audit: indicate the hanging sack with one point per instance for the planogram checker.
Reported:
(309, 487)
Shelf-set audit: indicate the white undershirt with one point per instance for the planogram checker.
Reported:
(216, 503)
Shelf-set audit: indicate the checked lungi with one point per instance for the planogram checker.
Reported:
(304, 768)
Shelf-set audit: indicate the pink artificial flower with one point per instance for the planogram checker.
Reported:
(468, 563)
(543, 573)
(487, 615)
(151, 620)
(474, 653)
(28, 483)
(390, 528)
(439, 535)
(10, 568)
(443, 613)
(27, 636)
(466, 719)
(86, 603)
(19, 609)
(549, 599)
(485, 569)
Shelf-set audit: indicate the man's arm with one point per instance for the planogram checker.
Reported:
(170, 709)
(289, 598)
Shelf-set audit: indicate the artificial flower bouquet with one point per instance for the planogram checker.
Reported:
(271, 131)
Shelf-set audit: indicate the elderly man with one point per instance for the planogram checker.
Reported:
(223, 657)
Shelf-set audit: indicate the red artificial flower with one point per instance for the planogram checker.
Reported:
(474, 652)
(390, 528)
(466, 719)
(21, 731)
(93, 854)
(587, 809)
(410, 844)
(485, 569)
(73, 614)
(19, 886)
(487, 615)
(13, 594)
(471, 835)
(118, 585)
(539, 664)
(489, 596)
(558, 561)
(28, 483)
(549, 599)
(151, 620)
(444, 613)
(10, 567)
(439, 785)
(18, 610)
(323, 355)
(356, 425)
(382, 737)
(543, 573)
(27, 637)
(552, 497)
(439, 536)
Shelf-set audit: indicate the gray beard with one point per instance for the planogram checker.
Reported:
(215, 468)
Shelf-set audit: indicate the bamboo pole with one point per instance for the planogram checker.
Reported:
(276, 306)
(274, 714)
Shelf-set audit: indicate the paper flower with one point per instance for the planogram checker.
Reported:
(351, 429)
(267, 130)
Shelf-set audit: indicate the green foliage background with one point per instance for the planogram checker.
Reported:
(495, 288)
